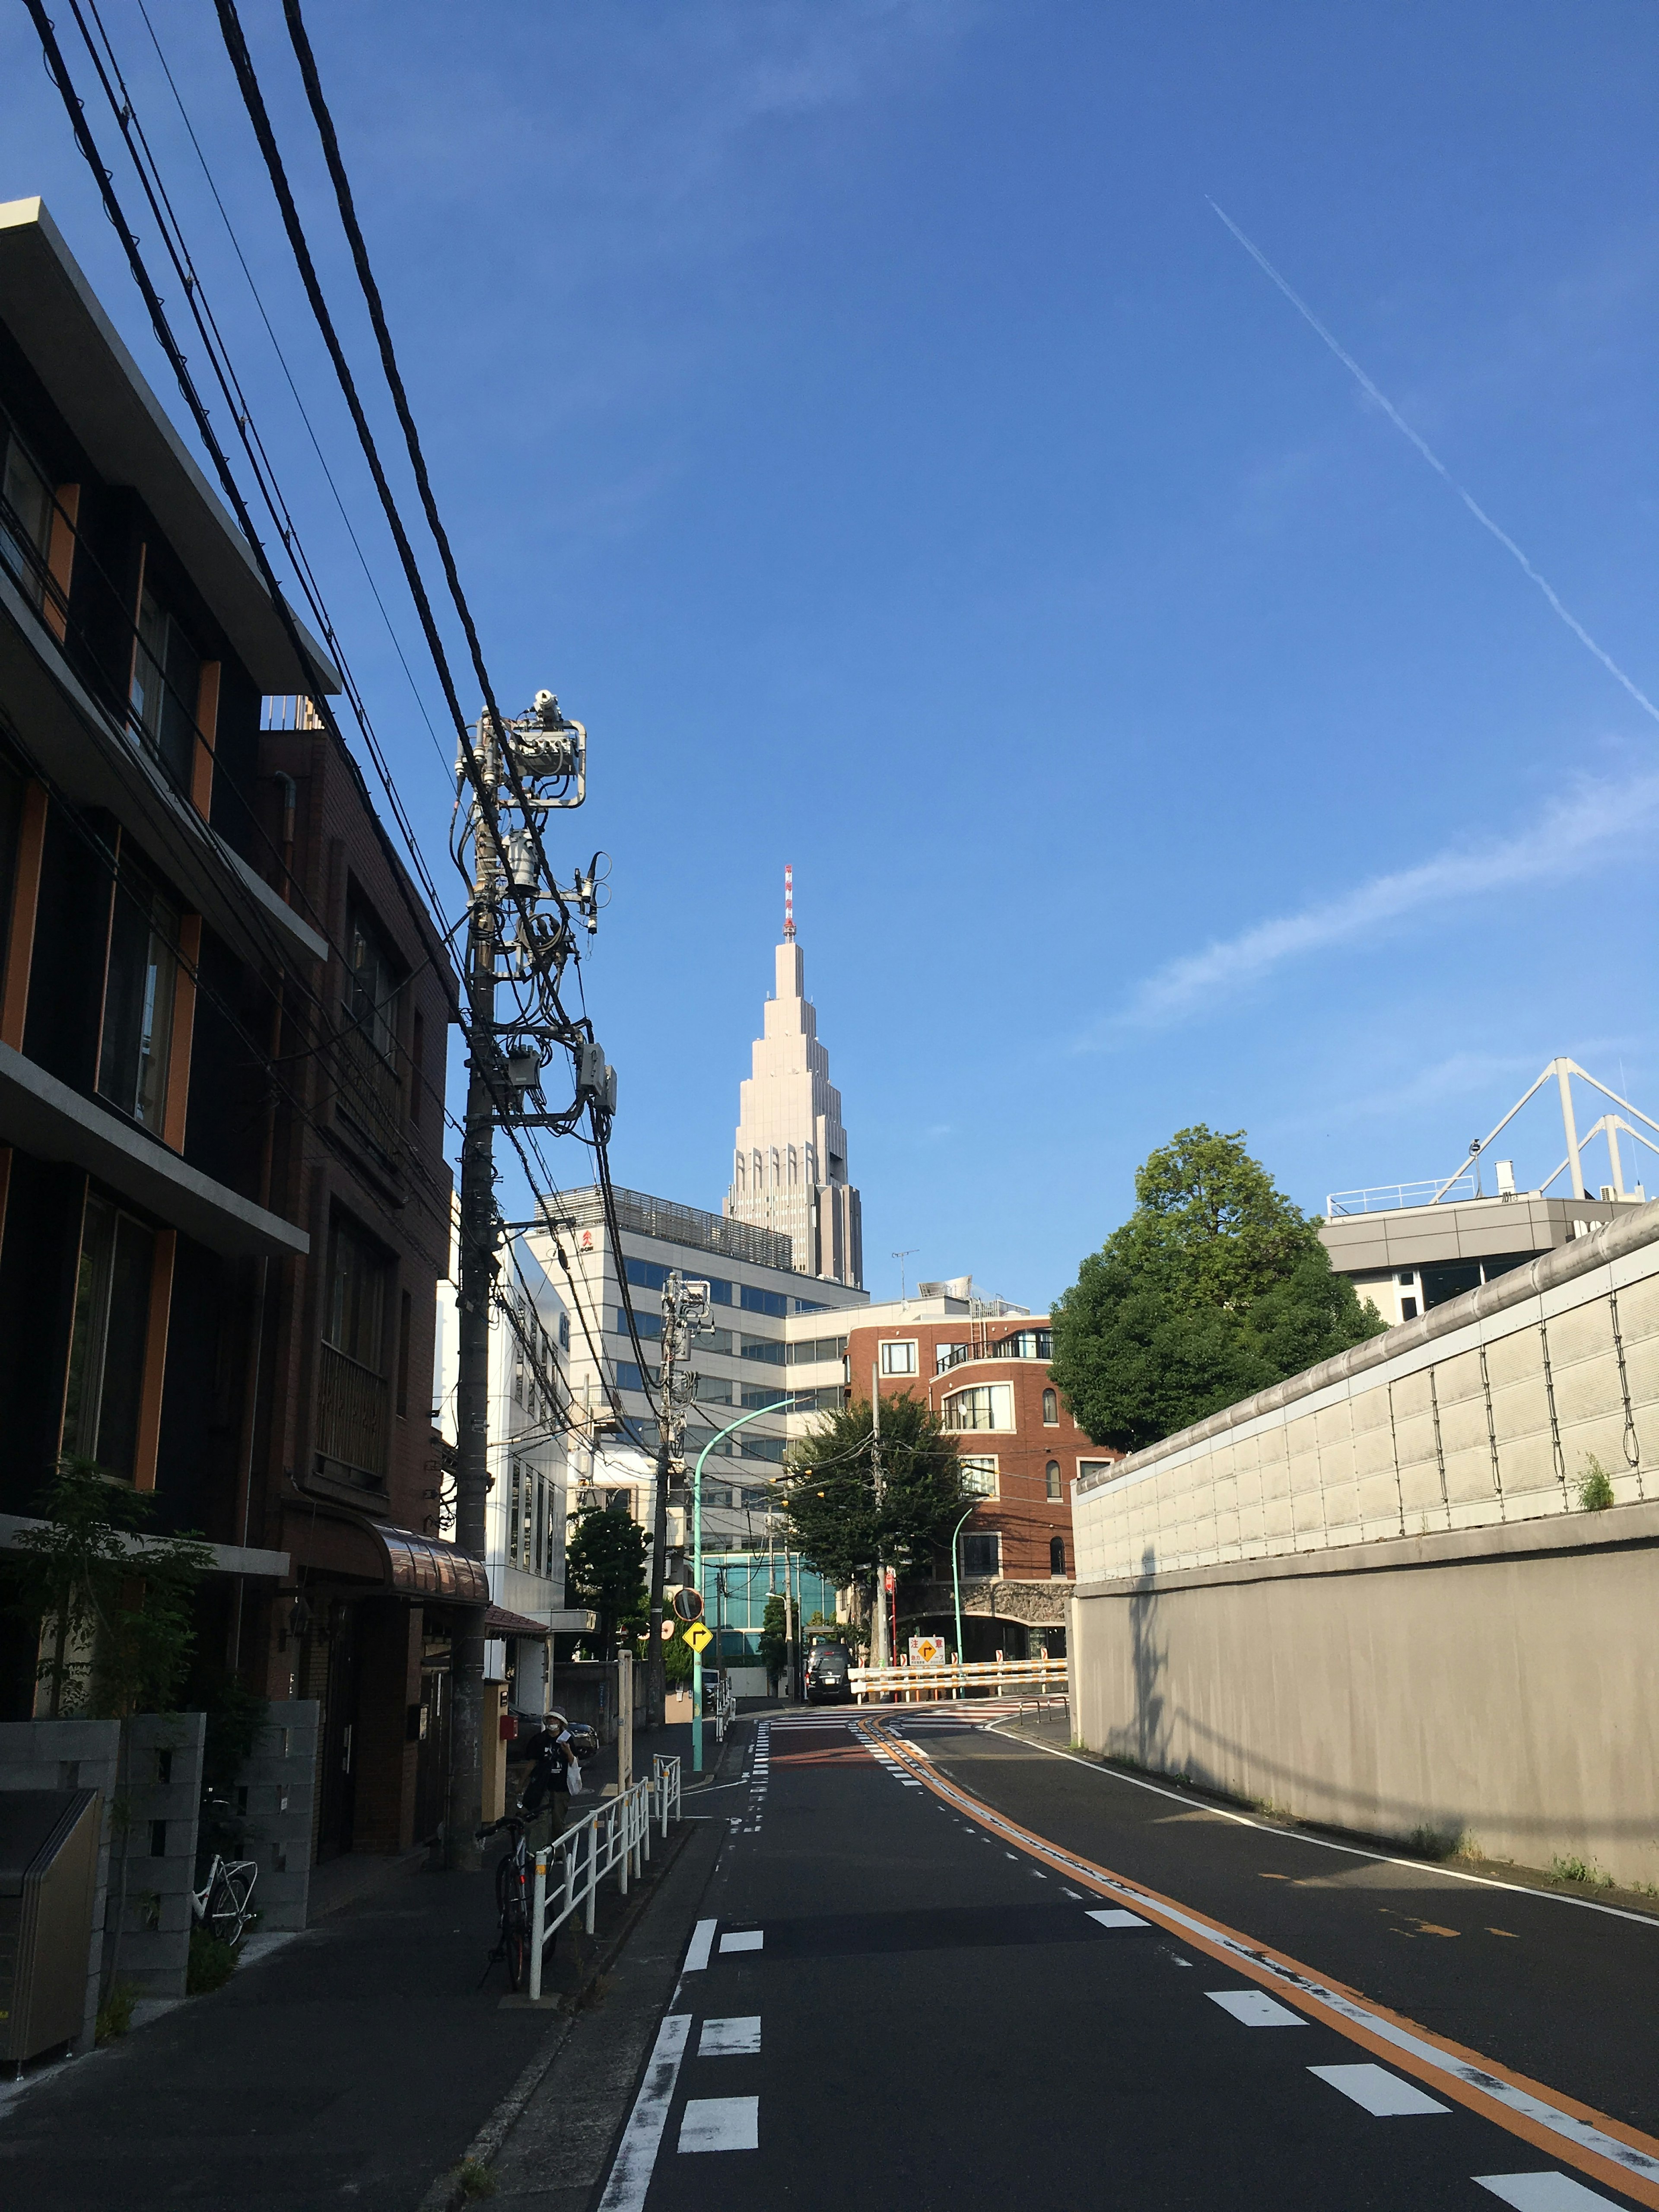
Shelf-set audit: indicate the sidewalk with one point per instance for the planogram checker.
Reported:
(353, 2062)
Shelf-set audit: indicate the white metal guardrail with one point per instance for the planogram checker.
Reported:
(726, 1706)
(615, 1837)
(989, 1677)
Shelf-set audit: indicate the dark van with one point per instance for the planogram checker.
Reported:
(827, 1681)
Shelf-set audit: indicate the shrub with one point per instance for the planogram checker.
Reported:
(1595, 1487)
(475, 2178)
(1577, 1870)
(115, 2014)
(212, 1963)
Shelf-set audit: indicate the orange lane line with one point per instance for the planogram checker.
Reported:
(1107, 1884)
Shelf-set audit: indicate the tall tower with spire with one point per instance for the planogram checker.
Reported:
(789, 1168)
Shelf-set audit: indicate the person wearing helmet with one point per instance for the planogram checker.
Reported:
(547, 1788)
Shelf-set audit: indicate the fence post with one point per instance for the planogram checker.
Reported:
(538, 1914)
(593, 1867)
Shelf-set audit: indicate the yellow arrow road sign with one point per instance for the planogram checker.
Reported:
(698, 1637)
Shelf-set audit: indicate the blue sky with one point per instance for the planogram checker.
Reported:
(859, 415)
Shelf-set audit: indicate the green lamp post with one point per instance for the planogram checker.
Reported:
(719, 1434)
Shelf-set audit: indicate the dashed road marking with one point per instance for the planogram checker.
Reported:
(721, 2123)
(744, 1939)
(702, 1942)
(730, 2039)
(1253, 2006)
(1115, 1916)
(1542, 2192)
(1377, 2091)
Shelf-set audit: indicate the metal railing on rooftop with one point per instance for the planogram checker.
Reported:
(682, 1225)
(1388, 1197)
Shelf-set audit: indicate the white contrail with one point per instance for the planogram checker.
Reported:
(1438, 466)
(1571, 835)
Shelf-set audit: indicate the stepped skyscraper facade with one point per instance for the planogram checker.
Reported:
(789, 1168)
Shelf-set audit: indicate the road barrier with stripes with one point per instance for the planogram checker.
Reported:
(615, 1837)
(984, 1678)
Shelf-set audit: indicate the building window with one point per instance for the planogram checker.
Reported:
(981, 1553)
(166, 676)
(107, 1346)
(1051, 1479)
(513, 1511)
(1056, 1555)
(899, 1359)
(979, 1473)
(1085, 1468)
(138, 994)
(1050, 1409)
(352, 1431)
(25, 521)
(986, 1406)
(944, 1356)
(1408, 1309)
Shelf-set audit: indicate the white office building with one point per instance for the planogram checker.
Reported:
(530, 1469)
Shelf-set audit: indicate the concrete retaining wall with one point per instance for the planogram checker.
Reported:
(1487, 1411)
(1501, 1682)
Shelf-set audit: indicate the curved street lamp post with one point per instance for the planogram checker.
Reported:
(720, 1435)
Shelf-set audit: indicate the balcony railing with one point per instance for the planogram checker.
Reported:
(1024, 1344)
(371, 1096)
(352, 1425)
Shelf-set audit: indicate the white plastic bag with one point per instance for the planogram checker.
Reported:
(573, 1777)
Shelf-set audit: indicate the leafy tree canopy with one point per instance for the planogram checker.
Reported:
(117, 1604)
(605, 1569)
(1215, 1287)
(830, 1508)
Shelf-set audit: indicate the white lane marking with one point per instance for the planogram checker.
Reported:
(729, 2038)
(1323, 1843)
(1378, 2091)
(636, 2154)
(1114, 1917)
(1567, 2125)
(746, 1939)
(1035, 1876)
(1253, 2006)
(1077, 1893)
(702, 1942)
(721, 2123)
(910, 1785)
(1540, 2192)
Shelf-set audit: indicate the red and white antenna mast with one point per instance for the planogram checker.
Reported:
(789, 904)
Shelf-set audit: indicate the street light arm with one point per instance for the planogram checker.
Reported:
(719, 1436)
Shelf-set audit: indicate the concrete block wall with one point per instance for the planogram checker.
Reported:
(276, 1794)
(1485, 1412)
(69, 1754)
(158, 1801)
(1499, 1683)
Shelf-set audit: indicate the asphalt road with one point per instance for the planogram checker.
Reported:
(932, 1980)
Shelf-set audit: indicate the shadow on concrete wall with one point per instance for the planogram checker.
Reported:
(1146, 1739)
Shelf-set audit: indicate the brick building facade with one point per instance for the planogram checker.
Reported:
(985, 1375)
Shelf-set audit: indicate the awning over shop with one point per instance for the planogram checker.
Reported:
(386, 1558)
(498, 1621)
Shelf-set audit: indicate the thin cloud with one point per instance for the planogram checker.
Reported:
(1568, 835)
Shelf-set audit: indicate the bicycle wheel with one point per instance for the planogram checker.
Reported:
(515, 1936)
(225, 1915)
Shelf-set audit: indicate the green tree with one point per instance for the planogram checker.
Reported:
(830, 1509)
(1215, 1287)
(605, 1569)
(114, 1604)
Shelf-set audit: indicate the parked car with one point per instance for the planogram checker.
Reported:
(829, 1679)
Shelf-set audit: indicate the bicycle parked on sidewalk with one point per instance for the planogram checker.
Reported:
(224, 1904)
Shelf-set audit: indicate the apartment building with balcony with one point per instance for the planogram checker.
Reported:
(223, 1202)
(983, 1366)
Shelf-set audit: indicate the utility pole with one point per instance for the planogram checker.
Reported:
(476, 1289)
(878, 1653)
(523, 767)
(685, 1308)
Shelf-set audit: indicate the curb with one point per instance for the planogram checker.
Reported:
(446, 2193)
